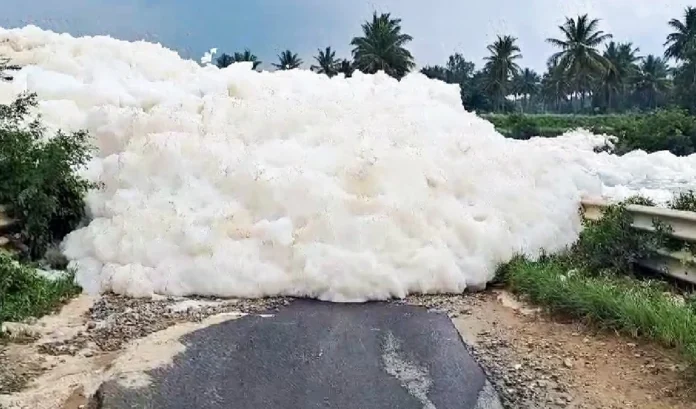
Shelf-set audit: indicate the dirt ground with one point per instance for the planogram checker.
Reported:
(537, 361)
(533, 361)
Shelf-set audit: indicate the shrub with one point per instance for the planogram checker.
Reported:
(611, 244)
(24, 293)
(672, 130)
(39, 182)
(684, 201)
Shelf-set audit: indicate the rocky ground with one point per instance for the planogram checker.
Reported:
(534, 361)
(538, 362)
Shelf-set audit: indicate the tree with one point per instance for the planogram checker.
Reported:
(681, 43)
(225, 60)
(327, 62)
(501, 67)
(579, 58)
(381, 48)
(620, 72)
(652, 82)
(554, 86)
(288, 61)
(459, 69)
(526, 84)
(6, 66)
(246, 55)
(346, 67)
(436, 72)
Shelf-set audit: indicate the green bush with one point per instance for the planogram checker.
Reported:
(665, 130)
(611, 244)
(684, 201)
(24, 293)
(39, 182)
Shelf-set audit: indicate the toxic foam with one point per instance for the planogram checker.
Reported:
(237, 183)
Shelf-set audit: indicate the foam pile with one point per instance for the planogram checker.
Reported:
(236, 183)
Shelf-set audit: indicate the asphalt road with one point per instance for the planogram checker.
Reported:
(317, 355)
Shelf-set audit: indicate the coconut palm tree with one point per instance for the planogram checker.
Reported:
(555, 87)
(526, 83)
(327, 62)
(381, 47)
(501, 67)
(288, 61)
(346, 67)
(652, 81)
(225, 60)
(246, 55)
(579, 58)
(681, 44)
(620, 72)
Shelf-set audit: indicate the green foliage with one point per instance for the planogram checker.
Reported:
(611, 244)
(382, 47)
(671, 130)
(633, 307)
(24, 293)
(287, 60)
(684, 201)
(39, 181)
(327, 62)
(225, 60)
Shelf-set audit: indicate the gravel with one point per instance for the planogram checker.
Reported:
(115, 320)
(523, 381)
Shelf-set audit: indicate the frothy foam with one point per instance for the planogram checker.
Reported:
(237, 183)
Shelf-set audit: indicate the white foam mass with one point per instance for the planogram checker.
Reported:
(237, 183)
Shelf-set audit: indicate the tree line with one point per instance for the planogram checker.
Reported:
(589, 72)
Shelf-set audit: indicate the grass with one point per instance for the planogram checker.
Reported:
(639, 308)
(24, 293)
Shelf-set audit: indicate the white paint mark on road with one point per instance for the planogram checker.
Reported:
(416, 380)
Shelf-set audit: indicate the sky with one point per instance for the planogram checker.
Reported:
(267, 27)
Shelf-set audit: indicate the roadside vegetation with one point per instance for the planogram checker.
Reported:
(672, 130)
(42, 200)
(596, 280)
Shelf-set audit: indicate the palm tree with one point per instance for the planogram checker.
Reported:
(619, 74)
(225, 60)
(246, 55)
(381, 48)
(555, 86)
(527, 84)
(327, 62)
(288, 61)
(681, 43)
(579, 58)
(652, 81)
(501, 66)
(346, 67)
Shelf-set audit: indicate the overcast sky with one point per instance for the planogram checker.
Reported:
(439, 27)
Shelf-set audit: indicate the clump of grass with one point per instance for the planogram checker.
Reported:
(24, 293)
(621, 303)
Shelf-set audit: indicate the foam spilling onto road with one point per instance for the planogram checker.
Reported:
(237, 183)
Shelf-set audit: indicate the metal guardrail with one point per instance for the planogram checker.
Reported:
(677, 264)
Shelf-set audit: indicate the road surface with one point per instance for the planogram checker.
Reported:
(317, 355)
